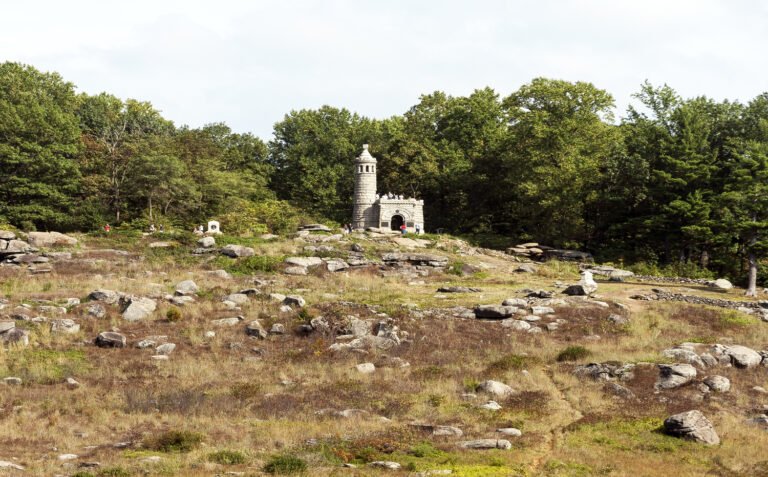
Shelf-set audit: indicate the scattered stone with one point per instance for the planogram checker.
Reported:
(227, 321)
(526, 268)
(490, 406)
(692, 425)
(96, 310)
(72, 383)
(277, 329)
(486, 444)
(510, 431)
(50, 239)
(254, 328)
(110, 339)
(517, 325)
(64, 325)
(295, 271)
(166, 348)
(4, 464)
(107, 296)
(187, 287)
(495, 311)
(619, 391)
(366, 368)
(237, 251)
(385, 464)
(294, 300)
(207, 242)
(743, 357)
(6, 325)
(719, 384)
(518, 302)
(15, 336)
(336, 265)
(12, 381)
(138, 308)
(304, 262)
(675, 375)
(237, 298)
(458, 290)
(720, 284)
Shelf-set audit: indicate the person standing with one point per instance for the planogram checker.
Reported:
(403, 229)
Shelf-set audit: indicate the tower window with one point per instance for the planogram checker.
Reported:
(361, 169)
(366, 168)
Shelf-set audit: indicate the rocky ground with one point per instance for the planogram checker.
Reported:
(324, 354)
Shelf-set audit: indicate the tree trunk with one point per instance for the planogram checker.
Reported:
(150, 208)
(752, 287)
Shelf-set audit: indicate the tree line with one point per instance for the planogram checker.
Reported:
(674, 181)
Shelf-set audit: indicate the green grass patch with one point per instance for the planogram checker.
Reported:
(285, 464)
(43, 366)
(227, 457)
(250, 265)
(510, 362)
(174, 441)
(735, 319)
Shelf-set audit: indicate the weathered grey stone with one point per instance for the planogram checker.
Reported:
(237, 298)
(207, 242)
(619, 390)
(336, 265)
(15, 247)
(165, 348)
(4, 464)
(6, 325)
(7, 235)
(675, 375)
(517, 325)
(255, 328)
(486, 444)
(110, 339)
(15, 336)
(385, 464)
(510, 431)
(719, 384)
(106, 296)
(526, 268)
(495, 311)
(223, 274)
(277, 329)
(720, 284)
(458, 290)
(305, 262)
(295, 270)
(187, 287)
(743, 357)
(96, 310)
(542, 310)
(50, 239)
(64, 325)
(365, 368)
(236, 251)
(684, 355)
(490, 406)
(12, 381)
(294, 300)
(496, 388)
(227, 321)
(138, 308)
(692, 425)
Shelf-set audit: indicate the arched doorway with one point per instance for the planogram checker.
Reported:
(396, 222)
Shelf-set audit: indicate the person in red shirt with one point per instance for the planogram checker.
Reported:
(403, 229)
(107, 228)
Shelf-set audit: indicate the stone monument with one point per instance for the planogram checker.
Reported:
(381, 211)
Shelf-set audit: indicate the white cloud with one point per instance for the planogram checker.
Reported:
(249, 62)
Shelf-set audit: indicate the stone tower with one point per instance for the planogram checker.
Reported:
(364, 214)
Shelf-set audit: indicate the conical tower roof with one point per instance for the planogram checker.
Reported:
(365, 156)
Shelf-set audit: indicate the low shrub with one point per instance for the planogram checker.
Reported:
(227, 457)
(173, 314)
(573, 353)
(285, 464)
(174, 441)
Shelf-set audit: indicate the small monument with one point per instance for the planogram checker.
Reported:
(382, 211)
(213, 227)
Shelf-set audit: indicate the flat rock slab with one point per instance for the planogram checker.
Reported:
(692, 425)
(458, 290)
(495, 311)
(486, 444)
(110, 339)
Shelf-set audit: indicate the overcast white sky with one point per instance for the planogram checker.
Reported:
(248, 63)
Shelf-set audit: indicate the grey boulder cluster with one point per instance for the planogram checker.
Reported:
(535, 251)
(15, 251)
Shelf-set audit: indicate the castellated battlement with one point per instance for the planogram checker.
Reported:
(388, 211)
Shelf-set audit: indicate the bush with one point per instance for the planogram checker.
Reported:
(114, 472)
(227, 457)
(285, 464)
(251, 265)
(256, 218)
(175, 441)
(573, 353)
(173, 314)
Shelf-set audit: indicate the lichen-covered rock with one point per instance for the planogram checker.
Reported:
(237, 251)
(110, 339)
(692, 425)
(138, 308)
(675, 375)
(50, 239)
